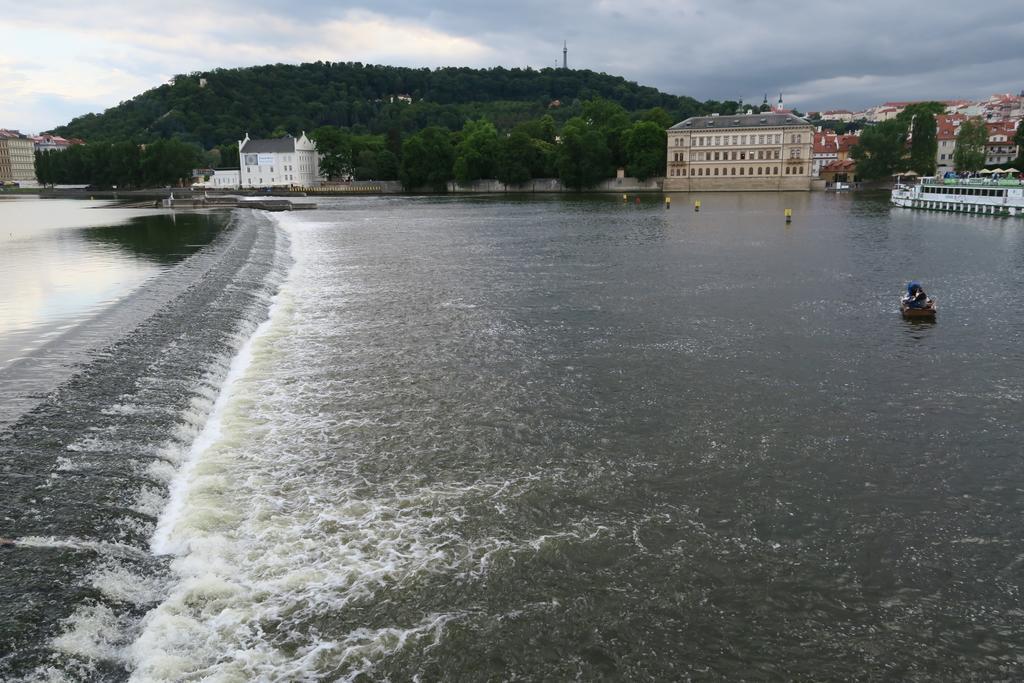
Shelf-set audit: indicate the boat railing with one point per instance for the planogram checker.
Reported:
(976, 182)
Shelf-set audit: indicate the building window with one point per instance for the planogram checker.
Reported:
(777, 154)
(733, 170)
(760, 154)
(750, 171)
(760, 139)
(775, 170)
(693, 171)
(735, 139)
(743, 156)
(718, 140)
(760, 170)
(741, 170)
(716, 170)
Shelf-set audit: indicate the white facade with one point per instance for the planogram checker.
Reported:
(225, 179)
(283, 162)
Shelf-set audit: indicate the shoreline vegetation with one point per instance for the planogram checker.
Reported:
(424, 128)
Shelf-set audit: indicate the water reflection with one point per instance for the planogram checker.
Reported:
(161, 238)
(65, 260)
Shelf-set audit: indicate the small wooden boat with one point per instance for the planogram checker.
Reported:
(926, 313)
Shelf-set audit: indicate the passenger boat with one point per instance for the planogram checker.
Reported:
(1002, 197)
(928, 312)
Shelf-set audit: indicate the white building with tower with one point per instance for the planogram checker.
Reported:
(281, 162)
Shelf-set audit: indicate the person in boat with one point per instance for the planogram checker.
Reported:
(916, 297)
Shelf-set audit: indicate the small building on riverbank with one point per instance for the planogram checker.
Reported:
(279, 162)
(767, 151)
(17, 158)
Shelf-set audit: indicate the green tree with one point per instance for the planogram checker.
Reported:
(125, 165)
(919, 118)
(515, 159)
(427, 160)
(583, 155)
(539, 129)
(881, 150)
(387, 165)
(335, 151)
(658, 116)
(476, 152)
(229, 156)
(969, 154)
(645, 146)
(611, 120)
(168, 162)
(45, 169)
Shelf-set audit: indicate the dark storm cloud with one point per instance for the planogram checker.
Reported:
(821, 54)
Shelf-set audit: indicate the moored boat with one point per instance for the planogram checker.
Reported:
(994, 197)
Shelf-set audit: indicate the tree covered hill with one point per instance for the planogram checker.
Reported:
(218, 107)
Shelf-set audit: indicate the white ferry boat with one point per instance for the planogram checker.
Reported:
(963, 195)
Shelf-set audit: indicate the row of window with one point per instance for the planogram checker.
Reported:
(761, 170)
(719, 140)
(969, 191)
(741, 155)
(271, 180)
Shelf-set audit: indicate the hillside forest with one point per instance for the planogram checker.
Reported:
(421, 126)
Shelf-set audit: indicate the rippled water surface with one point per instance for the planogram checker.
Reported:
(539, 438)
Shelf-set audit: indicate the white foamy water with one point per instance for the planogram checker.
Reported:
(275, 535)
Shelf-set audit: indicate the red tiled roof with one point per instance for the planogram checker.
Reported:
(838, 166)
(847, 141)
(825, 143)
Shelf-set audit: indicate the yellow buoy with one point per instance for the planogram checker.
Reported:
(789, 215)
(696, 205)
(668, 202)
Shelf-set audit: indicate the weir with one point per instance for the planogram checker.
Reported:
(87, 462)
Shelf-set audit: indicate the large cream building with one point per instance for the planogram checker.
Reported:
(17, 157)
(768, 151)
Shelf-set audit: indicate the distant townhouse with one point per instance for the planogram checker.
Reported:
(17, 157)
(890, 110)
(846, 144)
(280, 162)
(840, 171)
(54, 143)
(225, 179)
(830, 147)
(946, 128)
(766, 151)
(837, 115)
(1003, 107)
(1000, 148)
(824, 151)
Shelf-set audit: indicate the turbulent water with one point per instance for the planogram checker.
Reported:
(546, 439)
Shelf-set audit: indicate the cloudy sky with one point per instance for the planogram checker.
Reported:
(60, 59)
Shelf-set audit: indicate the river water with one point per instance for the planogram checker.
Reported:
(552, 438)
